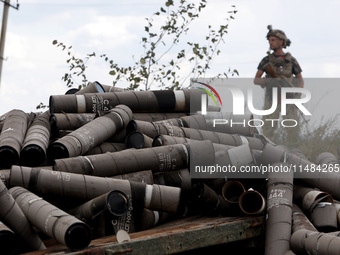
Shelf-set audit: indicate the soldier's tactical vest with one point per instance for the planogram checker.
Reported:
(282, 66)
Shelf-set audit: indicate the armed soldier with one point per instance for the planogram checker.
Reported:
(281, 69)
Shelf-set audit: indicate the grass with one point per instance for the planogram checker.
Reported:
(314, 138)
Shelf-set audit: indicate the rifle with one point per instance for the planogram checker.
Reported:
(282, 81)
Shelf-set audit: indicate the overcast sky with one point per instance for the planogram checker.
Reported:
(33, 67)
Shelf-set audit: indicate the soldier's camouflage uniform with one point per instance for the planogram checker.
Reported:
(284, 66)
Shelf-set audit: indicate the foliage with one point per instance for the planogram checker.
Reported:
(77, 65)
(153, 68)
(314, 139)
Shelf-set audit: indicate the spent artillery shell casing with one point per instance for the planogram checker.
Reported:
(65, 228)
(33, 152)
(91, 134)
(12, 215)
(279, 212)
(12, 137)
(137, 101)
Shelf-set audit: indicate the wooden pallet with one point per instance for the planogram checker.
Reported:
(173, 237)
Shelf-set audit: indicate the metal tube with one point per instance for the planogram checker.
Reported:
(279, 212)
(326, 158)
(67, 185)
(106, 147)
(52, 221)
(196, 121)
(162, 198)
(154, 129)
(14, 218)
(90, 135)
(180, 178)
(68, 121)
(12, 137)
(164, 158)
(161, 140)
(139, 215)
(145, 176)
(171, 122)
(272, 154)
(119, 137)
(252, 202)
(324, 217)
(326, 180)
(33, 152)
(306, 197)
(85, 187)
(207, 201)
(300, 220)
(137, 101)
(215, 183)
(138, 140)
(152, 218)
(248, 156)
(115, 202)
(310, 242)
(231, 192)
(236, 156)
(298, 240)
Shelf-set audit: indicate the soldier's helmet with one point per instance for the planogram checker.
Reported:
(279, 34)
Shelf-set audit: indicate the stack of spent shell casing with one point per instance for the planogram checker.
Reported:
(105, 159)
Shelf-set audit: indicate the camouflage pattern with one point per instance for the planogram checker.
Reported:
(284, 66)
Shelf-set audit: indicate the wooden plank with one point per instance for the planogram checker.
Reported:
(176, 236)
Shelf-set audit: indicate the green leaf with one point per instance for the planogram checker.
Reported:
(54, 42)
(142, 61)
(169, 2)
(112, 72)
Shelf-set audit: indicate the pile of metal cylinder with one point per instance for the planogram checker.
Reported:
(105, 161)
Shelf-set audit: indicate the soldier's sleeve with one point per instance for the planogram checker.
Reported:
(296, 67)
(263, 62)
